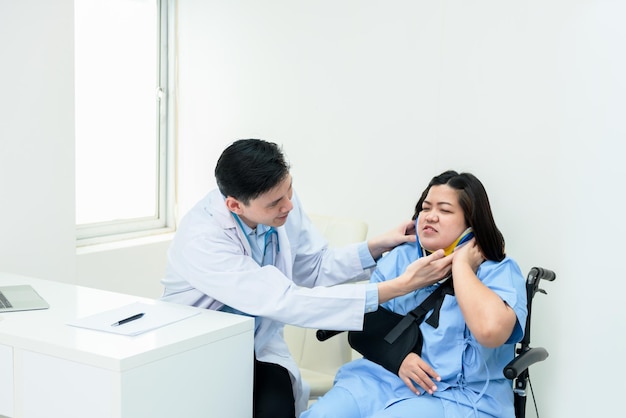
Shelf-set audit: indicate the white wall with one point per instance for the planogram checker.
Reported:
(370, 100)
(135, 267)
(37, 138)
(37, 236)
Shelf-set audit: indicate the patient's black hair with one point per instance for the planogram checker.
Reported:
(474, 201)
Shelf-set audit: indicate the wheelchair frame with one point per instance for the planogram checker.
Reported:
(517, 369)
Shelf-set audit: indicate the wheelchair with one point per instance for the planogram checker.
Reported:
(517, 369)
(526, 356)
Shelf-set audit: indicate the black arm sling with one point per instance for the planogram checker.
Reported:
(387, 337)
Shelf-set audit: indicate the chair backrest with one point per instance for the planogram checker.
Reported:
(319, 361)
(340, 231)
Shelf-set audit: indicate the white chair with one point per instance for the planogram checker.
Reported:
(319, 361)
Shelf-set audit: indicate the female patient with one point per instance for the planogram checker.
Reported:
(459, 371)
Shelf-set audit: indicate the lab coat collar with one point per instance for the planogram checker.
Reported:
(216, 207)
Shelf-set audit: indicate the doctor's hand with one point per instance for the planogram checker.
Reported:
(427, 270)
(421, 273)
(405, 232)
(415, 370)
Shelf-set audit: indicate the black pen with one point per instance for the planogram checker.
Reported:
(125, 320)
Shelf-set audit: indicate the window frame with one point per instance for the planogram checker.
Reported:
(164, 221)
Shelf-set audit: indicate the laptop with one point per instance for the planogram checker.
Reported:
(20, 298)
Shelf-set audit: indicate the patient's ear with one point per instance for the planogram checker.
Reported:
(234, 205)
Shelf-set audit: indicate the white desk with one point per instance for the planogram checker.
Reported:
(199, 367)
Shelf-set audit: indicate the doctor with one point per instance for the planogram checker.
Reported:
(249, 248)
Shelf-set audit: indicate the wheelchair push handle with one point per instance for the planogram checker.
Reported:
(541, 273)
(535, 275)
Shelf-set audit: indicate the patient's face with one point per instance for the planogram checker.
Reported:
(441, 220)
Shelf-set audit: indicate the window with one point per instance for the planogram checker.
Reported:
(124, 184)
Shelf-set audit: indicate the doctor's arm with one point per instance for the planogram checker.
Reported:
(421, 273)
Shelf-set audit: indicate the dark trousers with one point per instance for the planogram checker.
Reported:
(273, 393)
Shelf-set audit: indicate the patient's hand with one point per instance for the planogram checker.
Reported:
(470, 254)
(414, 369)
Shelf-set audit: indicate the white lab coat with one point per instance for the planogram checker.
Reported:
(209, 265)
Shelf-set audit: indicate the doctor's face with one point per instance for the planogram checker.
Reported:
(441, 220)
(270, 208)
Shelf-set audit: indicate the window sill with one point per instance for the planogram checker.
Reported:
(93, 245)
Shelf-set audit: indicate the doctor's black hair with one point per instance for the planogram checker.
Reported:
(250, 167)
(476, 208)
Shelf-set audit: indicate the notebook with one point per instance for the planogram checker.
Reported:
(20, 298)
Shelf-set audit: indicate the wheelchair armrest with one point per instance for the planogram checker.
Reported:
(323, 334)
(524, 361)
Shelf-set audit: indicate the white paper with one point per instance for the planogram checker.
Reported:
(155, 316)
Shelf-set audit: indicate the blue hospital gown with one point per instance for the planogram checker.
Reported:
(472, 383)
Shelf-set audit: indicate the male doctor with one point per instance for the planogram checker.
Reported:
(249, 248)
